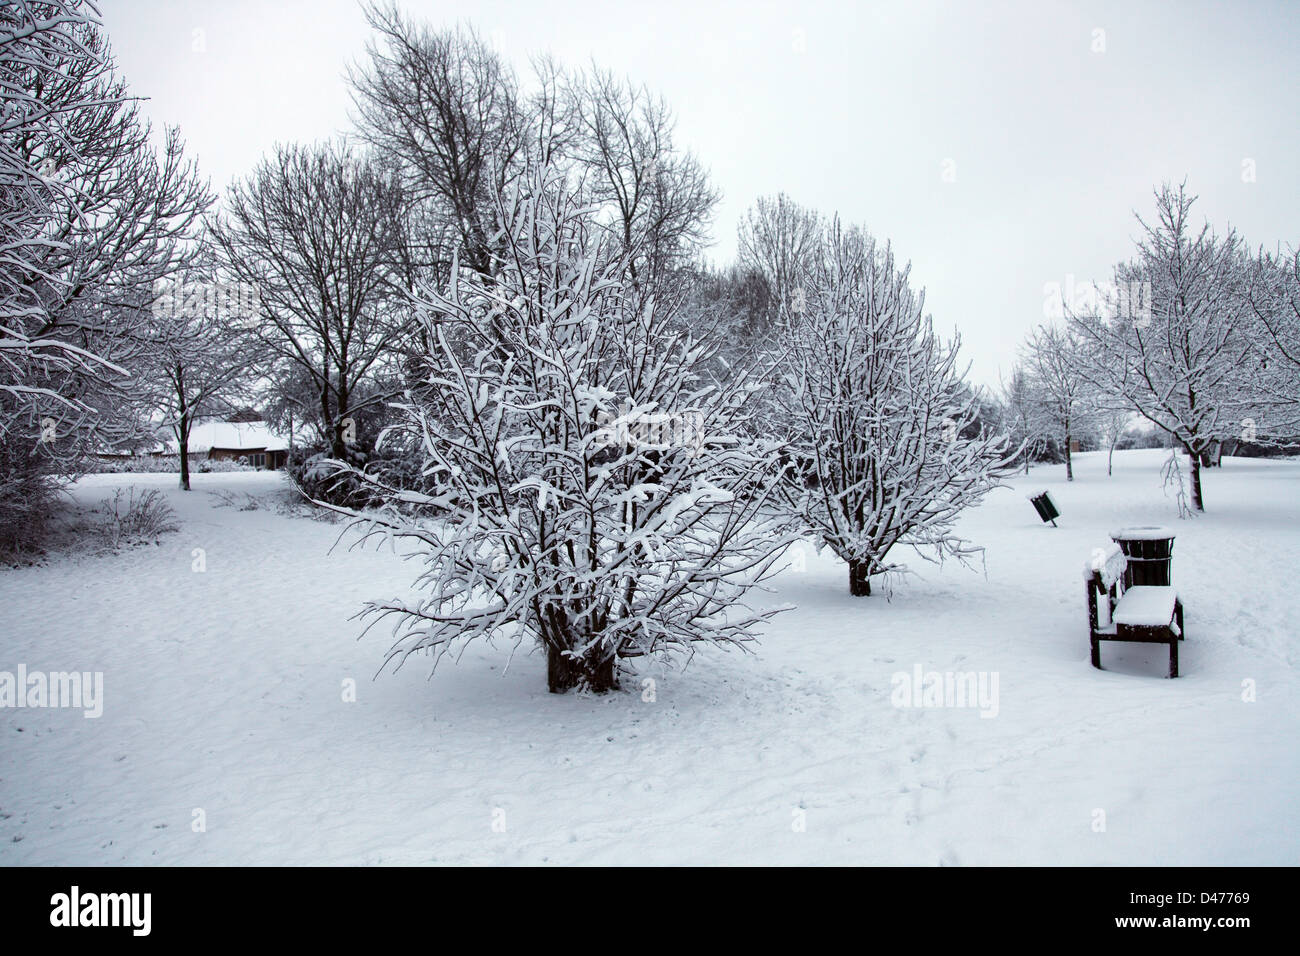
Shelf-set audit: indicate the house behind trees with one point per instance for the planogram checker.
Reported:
(256, 442)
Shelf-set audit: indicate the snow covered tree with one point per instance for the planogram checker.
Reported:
(205, 351)
(881, 418)
(1020, 415)
(587, 488)
(1178, 351)
(1275, 337)
(1059, 385)
(1113, 419)
(91, 217)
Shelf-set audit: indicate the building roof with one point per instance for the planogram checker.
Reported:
(232, 436)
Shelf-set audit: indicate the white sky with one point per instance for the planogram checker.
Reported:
(848, 107)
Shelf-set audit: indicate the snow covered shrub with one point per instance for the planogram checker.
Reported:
(28, 491)
(220, 465)
(320, 479)
(589, 491)
(136, 465)
(129, 518)
(880, 415)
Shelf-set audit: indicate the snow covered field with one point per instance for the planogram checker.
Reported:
(224, 692)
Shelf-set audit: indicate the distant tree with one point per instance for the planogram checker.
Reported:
(658, 196)
(1274, 296)
(205, 352)
(447, 110)
(319, 234)
(1020, 415)
(781, 241)
(1059, 385)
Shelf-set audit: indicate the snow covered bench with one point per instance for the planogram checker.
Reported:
(1144, 613)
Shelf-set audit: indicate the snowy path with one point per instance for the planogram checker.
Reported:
(223, 692)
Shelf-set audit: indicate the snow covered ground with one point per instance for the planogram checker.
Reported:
(224, 693)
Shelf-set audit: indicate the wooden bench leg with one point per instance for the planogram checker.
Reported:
(1178, 616)
(1173, 657)
(1096, 653)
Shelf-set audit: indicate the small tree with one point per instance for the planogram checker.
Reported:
(1059, 386)
(1021, 415)
(881, 417)
(1113, 420)
(204, 352)
(589, 490)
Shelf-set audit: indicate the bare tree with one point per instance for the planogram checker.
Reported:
(1020, 409)
(781, 241)
(205, 352)
(1113, 420)
(659, 197)
(1274, 296)
(881, 416)
(449, 111)
(318, 233)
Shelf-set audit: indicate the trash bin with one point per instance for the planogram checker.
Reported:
(1150, 553)
(1046, 507)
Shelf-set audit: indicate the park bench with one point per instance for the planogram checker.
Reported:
(1144, 613)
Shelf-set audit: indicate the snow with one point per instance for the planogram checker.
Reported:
(1146, 606)
(1142, 533)
(1110, 562)
(224, 691)
(232, 436)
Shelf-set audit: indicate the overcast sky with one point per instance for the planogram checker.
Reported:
(1000, 146)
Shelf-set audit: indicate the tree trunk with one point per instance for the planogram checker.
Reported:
(183, 433)
(859, 579)
(1069, 461)
(564, 673)
(1110, 460)
(183, 424)
(1197, 501)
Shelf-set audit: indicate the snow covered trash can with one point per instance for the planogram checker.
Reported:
(1045, 506)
